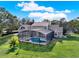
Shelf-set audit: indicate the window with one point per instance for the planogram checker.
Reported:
(45, 27)
(22, 27)
(55, 34)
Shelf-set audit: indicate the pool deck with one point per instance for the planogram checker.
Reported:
(40, 43)
(44, 43)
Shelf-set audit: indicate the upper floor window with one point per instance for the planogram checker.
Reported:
(22, 27)
(45, 27)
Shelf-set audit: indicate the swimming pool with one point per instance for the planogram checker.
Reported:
(38, 39)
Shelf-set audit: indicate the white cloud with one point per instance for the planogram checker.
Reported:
(67, 11)
(46, 15)
(20, 4)
(49, 12)
(58, 16)
(32, 6)
(64, 11)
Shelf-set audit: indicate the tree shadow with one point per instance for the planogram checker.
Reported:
(10, 50)
(60, 40)
(38, 48)
(71, 38)
(4, 39)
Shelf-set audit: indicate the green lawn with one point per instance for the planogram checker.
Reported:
(68, 47)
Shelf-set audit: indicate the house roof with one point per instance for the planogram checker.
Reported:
(40, 24)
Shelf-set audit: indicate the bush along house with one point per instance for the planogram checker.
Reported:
(39, 32)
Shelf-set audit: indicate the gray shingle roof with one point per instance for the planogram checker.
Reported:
(40, 24)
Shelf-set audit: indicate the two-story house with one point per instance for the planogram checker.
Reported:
(39, 32)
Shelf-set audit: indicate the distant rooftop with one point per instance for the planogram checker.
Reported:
(40, 24)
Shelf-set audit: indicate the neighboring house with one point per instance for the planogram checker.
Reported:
(40, 32)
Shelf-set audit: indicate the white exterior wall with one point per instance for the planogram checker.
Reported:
(58, 31)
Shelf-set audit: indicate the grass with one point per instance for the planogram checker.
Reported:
(64, 48)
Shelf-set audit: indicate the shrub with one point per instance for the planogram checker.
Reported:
(14, 43)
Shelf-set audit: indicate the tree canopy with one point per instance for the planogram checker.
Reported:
(7, 20)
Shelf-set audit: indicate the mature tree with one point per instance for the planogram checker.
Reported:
(54, 22)
(12, 24)
(1, 28)
(63, 23)
(7, 20)
(2, 13)
(74, 25)
(23, 21)
(46, 20)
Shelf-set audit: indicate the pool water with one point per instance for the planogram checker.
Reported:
(37, 39)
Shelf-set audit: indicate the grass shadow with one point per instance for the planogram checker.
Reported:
(10, 50)
(4, 39)
(71, 38)
(68, 38)
(38, 48)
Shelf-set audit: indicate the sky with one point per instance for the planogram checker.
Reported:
(39, 10)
